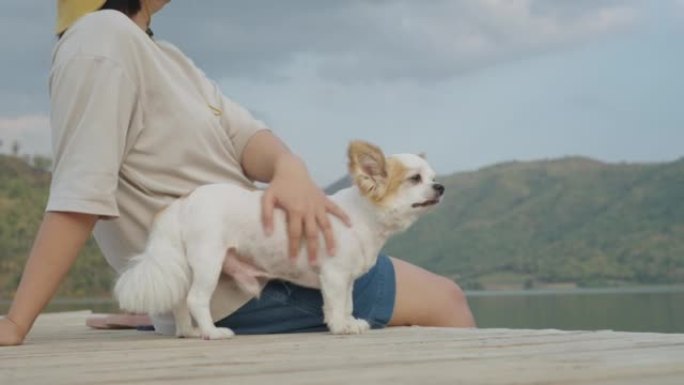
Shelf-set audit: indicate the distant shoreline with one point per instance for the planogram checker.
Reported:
(471, 293)
(569, 291)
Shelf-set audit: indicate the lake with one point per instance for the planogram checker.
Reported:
(643, 309)
(648, 309)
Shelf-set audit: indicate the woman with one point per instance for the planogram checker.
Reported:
(136, 125)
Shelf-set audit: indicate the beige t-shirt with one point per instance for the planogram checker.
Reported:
(135, 125)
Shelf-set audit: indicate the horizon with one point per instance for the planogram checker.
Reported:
(335, 183)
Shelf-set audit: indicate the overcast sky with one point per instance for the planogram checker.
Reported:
(469, 82)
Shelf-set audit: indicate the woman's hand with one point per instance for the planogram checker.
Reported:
(267, 159)
(305, 204)
(10, 333)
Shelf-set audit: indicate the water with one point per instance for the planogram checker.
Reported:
(648, 309)
(651, 309)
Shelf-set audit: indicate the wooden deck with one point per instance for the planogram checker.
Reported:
(61, 350)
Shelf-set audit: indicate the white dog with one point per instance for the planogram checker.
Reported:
(218, 228)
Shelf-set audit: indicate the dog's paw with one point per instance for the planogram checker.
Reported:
(189, 333)
(217, 334)
(349, 326)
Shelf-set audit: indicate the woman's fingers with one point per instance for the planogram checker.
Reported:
(335, 210)
(311, 228)
(305, 223)
(294, 233)
(326, 228)
(267, 207)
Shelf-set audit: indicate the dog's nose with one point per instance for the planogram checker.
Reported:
(439, 188)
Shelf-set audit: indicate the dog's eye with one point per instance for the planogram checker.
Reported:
(416, 178)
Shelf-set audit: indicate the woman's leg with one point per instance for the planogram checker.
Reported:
(284, 307)
(392, 293)
(427, 299)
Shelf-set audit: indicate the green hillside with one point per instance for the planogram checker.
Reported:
(522, 224)
(23, 193)
(570, 220)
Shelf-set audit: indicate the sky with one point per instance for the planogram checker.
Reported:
(469, 82)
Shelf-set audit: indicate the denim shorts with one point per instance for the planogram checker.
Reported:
(287, 308)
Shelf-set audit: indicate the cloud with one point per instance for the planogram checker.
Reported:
(350, 40)
(383, 39)
(32, 132)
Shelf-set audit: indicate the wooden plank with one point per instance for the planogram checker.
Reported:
(61, 350)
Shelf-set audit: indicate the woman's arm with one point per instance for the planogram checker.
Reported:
(60, 238)
(267, 159)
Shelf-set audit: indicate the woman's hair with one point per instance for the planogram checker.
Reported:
(128, 7)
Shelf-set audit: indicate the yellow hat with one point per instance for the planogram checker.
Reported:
(68, 11)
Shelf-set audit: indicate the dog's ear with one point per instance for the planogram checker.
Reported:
(423, 155)
(368, 168)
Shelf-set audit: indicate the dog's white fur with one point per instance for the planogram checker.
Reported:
(218, 228)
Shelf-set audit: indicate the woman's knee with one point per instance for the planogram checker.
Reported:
(428, 299)
(456, 311)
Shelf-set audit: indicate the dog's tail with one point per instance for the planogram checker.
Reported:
(158, 279)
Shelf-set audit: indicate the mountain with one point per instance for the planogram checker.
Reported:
(337, 185)
(571, 221)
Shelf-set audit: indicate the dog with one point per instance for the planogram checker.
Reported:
(217, 228)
